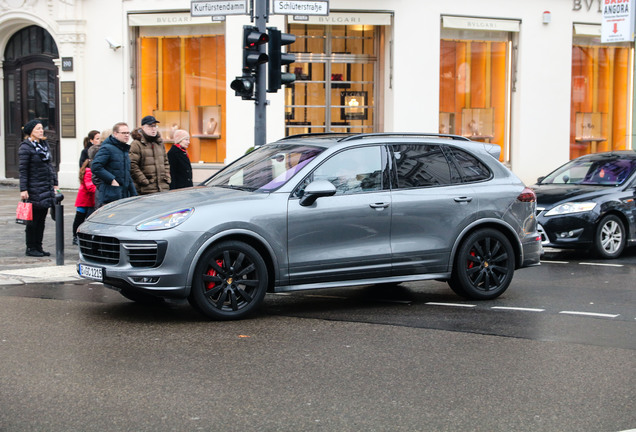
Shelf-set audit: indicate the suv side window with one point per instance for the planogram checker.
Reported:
(470, 168)
(420, 165)
(353, 171)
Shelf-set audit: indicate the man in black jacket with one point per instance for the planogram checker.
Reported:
(112, 166)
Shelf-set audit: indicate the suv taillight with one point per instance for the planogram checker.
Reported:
(527, 195)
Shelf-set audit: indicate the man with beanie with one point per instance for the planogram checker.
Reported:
(149, 164)
(180, 166)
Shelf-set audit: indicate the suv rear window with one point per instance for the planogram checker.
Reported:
(421, 165)
(471, 169)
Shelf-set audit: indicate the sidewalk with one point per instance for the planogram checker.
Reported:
(15, 267)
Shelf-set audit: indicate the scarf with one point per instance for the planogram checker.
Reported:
(42, 149)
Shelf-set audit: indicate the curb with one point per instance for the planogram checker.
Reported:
(48, 274)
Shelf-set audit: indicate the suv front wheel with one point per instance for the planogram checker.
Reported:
(230, 281)
(484, 265)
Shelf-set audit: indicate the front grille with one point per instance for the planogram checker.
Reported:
(99, 249)
(142, 254)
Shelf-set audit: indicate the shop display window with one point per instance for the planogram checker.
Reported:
(170, 121)
(601, 96)
(474, 86)
(447, 123)
(182, 82)
(208, 125)
(334, 92)
(478, 123)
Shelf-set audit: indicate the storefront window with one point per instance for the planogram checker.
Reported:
(182, 83)
(475, 86)
(601, 96)
(335, 73)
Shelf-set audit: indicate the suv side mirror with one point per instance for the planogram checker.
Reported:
(540, 179)
(315, 190)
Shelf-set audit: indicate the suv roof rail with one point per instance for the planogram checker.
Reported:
(316, 135)
(404, 134)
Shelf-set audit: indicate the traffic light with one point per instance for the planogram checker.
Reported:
(275, 76)
(252, 57)
(243, 86)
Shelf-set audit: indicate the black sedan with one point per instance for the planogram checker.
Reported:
(590, 203)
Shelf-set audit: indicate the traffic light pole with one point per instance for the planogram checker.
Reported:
(260, 121)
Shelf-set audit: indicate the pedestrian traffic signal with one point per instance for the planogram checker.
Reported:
(243, 86)
(253, 38)
(275, 76)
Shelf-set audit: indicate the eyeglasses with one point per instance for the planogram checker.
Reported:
(124, 133)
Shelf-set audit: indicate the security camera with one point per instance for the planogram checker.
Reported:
(113, 45)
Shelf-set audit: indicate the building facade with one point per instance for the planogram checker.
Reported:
(530, 76)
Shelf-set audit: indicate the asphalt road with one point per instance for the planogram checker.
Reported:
(557, 352)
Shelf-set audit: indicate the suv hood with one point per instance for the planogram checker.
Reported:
(548, 195)
(134, 210)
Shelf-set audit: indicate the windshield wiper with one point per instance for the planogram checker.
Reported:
(237, 187)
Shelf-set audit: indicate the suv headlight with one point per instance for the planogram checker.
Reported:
(571, 207)
(166, 221)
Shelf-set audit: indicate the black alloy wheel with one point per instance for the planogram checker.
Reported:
(484, 265)
(230, 281)
(610, 237)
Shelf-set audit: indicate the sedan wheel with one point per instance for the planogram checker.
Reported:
(230, 281)
(610, 237)
(484, 266)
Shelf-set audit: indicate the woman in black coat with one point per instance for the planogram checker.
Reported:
(180, 166)
(38, 181)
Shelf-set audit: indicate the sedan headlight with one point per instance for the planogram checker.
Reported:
(166, 221)
(571, 207)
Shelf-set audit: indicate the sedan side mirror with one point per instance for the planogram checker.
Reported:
(315, 190)
(540, 179)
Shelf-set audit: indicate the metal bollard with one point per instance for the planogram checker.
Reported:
(59, 229)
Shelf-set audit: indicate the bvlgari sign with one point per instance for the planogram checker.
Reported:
(618, 21)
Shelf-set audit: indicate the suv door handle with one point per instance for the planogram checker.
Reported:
(379, 206)
(463, 199)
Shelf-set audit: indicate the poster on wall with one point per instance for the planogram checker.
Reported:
(618, 21)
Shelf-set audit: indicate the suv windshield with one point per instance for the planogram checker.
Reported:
(606, 172)
(266, 168)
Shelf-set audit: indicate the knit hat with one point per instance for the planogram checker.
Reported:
(31, 124)
(180, 135)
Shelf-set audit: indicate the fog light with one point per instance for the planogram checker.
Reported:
(570, 234)
(145, 279)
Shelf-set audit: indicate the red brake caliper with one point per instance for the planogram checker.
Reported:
(213, 272)
(471, 264)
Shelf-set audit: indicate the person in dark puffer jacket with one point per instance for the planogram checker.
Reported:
(180, 166)
(150, 168)
(112, 166)
(38, 181)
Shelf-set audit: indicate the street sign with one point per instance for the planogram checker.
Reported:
(218, 7)
(618, 21)
(301, 7)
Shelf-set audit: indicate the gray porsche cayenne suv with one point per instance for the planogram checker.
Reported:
(321, 211)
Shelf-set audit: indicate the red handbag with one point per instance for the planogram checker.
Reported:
(24, 213)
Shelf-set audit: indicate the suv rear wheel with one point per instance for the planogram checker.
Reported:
(484, 265)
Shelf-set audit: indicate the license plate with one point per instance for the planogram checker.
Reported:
(91, 272)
